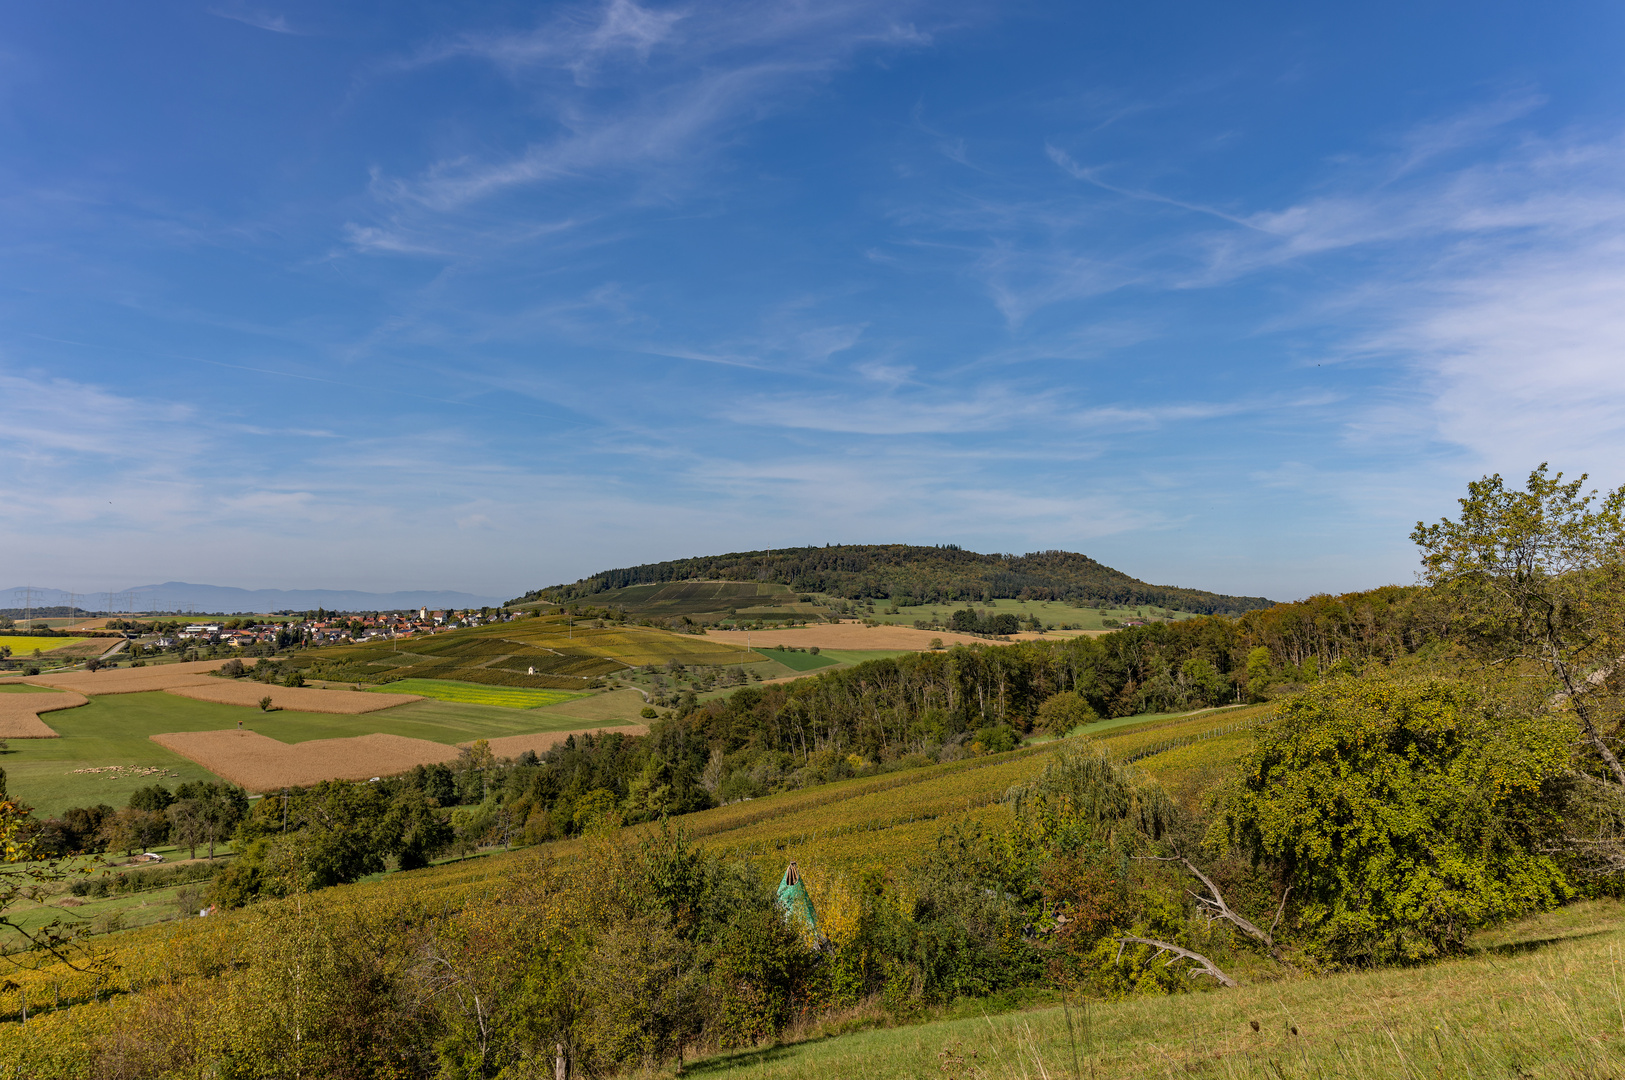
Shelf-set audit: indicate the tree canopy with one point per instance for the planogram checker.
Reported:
(911, 573)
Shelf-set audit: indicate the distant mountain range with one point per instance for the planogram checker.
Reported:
(913, 574)
(224, 600)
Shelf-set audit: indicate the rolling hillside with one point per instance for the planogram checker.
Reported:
(545, 651)
(900, 572)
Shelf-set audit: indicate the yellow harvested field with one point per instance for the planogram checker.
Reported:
(509, 746)
(846, 635)
(260, 763)
(20, 713)
(293, 698)
(129, 680)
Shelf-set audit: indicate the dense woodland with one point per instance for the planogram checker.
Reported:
(909, 574)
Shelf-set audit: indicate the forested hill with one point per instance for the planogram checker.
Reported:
(909, 574)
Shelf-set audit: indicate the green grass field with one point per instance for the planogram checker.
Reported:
(113, 731)
(606, 707)
(23, 647)
(507, 697)
(798, 661)
(848, 657)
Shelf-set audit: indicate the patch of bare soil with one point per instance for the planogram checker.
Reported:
(90, 624)
(131, 680)
(260, 763)
(20, 714)
(542, 741)
(292, 698)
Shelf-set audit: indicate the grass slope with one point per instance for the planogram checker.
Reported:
(798, 661)
(476, 694)
(1541, 998)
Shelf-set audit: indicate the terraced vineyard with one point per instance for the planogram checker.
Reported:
(1137, 742)
(1191, 754)
(709, 600)
(548, 651)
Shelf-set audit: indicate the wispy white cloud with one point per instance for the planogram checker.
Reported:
(55, 416)
(649, 88)
(260, 20)
(1496, 291)
(1093, 176)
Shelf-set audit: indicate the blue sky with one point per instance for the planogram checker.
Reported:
(489, 296)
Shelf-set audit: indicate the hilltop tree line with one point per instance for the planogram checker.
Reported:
(909, 574)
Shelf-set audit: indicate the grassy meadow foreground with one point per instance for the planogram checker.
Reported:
(1537, 999)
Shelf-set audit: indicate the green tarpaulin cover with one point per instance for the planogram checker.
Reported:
(794, 900)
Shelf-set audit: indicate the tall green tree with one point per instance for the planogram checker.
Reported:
(1537, 578)
(1403, 814)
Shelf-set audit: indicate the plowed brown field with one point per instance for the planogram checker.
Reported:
(543, 741)
(20, 713)
(260, 763)
(293, 698)
(130, 680)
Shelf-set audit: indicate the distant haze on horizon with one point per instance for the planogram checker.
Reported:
(364, 296)
(184, 596)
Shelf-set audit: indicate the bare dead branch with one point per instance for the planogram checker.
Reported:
(1208, 967)
(1214, 906)
(1280, 910)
